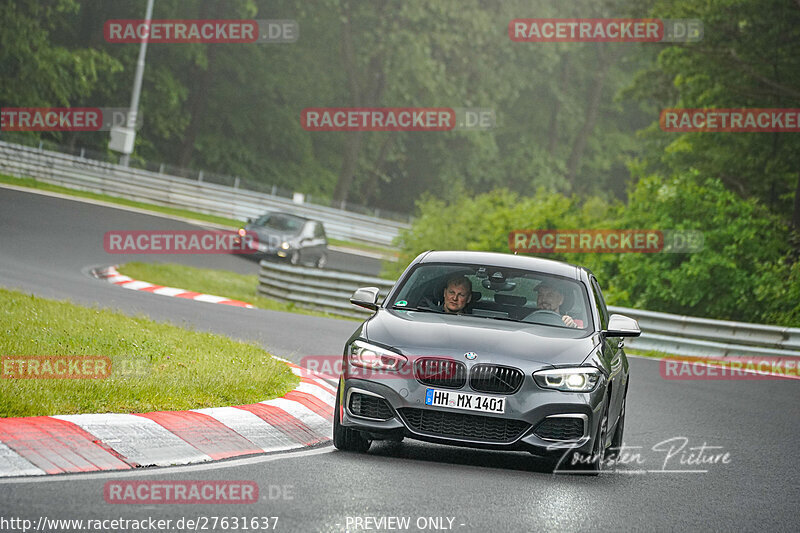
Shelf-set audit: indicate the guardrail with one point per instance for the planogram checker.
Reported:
(172, 191)
(685, 335)
(323, 290)
(330, 291)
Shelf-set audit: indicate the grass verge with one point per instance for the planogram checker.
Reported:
(209, 281)
(154, 366)
(32, 183)
(649, 353)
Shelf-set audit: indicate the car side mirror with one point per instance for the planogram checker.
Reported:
(622, 326)
(366, 297)
(250, 220)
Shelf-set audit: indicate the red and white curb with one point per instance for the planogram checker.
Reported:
(111, 275)
(39, 445)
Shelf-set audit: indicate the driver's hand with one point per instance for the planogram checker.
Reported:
(568, 321)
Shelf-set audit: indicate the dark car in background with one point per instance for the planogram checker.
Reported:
(296, 239)
(502, 374)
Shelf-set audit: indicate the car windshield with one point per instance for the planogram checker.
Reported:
(281, 222)
(498, 293)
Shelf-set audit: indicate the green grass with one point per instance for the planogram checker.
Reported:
(32, 183)
(242, 287)
(155, 366)
(649, 353)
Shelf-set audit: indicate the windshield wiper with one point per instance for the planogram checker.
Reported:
(507, 319)
(423, 309)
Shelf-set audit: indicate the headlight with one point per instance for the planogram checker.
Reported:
(575, 379)
(374, 357)
(285, 245)
(242, 232)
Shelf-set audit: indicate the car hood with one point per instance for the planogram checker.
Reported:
(494, 341)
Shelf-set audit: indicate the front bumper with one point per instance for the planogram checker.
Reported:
(525, 411)
(262, 250)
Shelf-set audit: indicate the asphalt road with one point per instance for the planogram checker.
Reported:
(46, 244)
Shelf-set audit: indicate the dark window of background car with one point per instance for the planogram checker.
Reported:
(285, 223)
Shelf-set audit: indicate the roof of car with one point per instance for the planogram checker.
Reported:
(524, 262)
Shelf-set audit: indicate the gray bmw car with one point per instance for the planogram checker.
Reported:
(488, 350)
(296, 239)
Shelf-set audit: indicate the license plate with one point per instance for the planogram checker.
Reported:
(465, 400)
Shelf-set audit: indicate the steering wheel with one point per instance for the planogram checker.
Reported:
(548, 316)
(430, 304)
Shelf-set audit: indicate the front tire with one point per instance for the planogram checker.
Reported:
(599, 451)
(345, 438)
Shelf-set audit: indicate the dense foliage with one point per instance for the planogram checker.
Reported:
(744, 269)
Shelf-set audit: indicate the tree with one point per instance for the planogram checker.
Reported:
(749, 57)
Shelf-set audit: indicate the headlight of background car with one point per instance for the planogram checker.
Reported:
(575, 379)
(374, 357)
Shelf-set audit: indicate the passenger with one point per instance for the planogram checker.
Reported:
(550, 298)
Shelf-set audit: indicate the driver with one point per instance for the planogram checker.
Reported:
(550, 298)
(457, 294)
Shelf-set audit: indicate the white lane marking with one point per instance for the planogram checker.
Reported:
(210, 298)
(136, 285)
(172, 470)
(13, 464)
(318, 424)
(251, 427)
(138, 439)
(317, 392)
(169, 291)
(331, 387)
(118, 278)
(111, 274)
